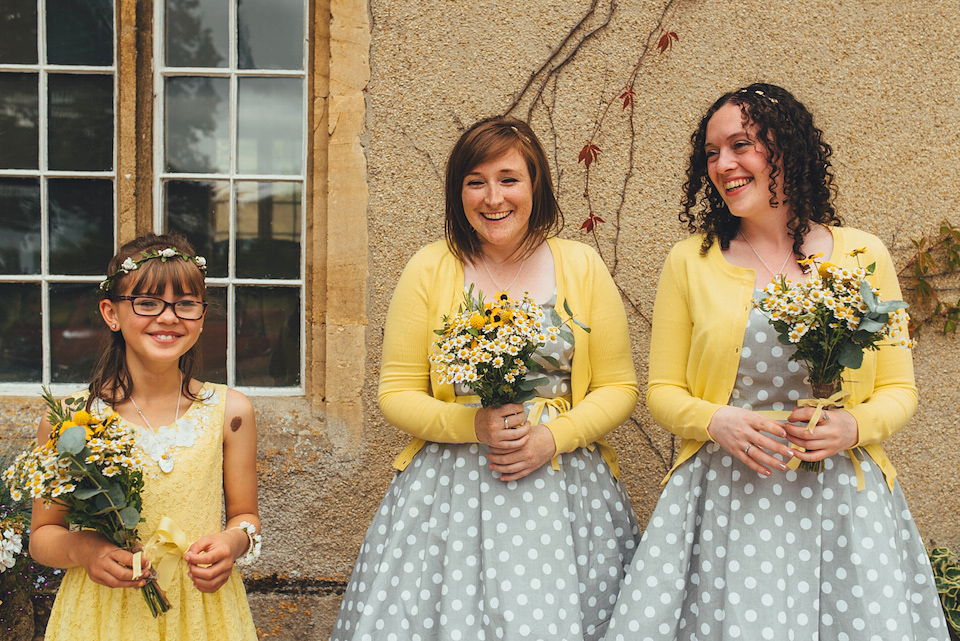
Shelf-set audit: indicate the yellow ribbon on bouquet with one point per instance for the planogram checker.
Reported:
(835, 400)
(554, 407)
(164, 550)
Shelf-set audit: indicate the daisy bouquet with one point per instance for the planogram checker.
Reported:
(91, 468)
(489, 347)
(831, 319)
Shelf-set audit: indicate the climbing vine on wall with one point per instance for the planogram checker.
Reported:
(927, 277)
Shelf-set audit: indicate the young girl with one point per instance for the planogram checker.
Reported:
(154, 305)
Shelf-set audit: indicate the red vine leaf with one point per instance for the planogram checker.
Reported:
(592, 221)
(666, 40)
(589, 154)
(627, 97)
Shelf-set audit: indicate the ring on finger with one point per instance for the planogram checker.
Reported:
(505, 426)
(746, 450)
(826, 417)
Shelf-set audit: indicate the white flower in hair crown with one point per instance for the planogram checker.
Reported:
(130, 264)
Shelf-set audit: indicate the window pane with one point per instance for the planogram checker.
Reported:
(197, 33)
(81, 121)
(20, 339)
(270, 34)
(81, 225)
(76, 330)
(19, 226)
(79, 32)
(268, 230)
(268, 336)
(18, 32)
(213, 340)
(19, 121)
(198, 126)
(269, 127)
(200, 211)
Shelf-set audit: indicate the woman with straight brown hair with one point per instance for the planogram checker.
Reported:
(502, 522)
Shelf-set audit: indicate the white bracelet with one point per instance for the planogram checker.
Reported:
(254, 542)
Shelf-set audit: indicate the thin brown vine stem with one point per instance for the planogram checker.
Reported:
(553, 54)
(653, 446)
(556, 70)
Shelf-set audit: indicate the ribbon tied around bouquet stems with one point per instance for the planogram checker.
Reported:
(164, 550)
(836, 400)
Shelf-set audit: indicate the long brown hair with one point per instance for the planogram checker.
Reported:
(111, 378)
(486, 140)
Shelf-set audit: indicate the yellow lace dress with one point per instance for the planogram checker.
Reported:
(183, 479)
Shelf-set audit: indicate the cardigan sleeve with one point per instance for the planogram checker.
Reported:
(669, 397)
(611, 393)
(405, 395)
(892, 395)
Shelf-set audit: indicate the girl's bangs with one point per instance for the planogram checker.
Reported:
(153, 276)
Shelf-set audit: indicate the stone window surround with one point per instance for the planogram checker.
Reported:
(335, 244)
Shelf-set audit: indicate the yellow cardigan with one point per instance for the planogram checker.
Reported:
(603, 379)
(699, 320)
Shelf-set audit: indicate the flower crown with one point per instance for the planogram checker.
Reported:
(129, 264)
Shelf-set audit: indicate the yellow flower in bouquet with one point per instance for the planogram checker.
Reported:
(489, 347)
(91, 467)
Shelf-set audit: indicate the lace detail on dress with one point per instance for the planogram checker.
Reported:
(159, 445)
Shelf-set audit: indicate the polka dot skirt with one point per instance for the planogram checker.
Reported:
(454, 553)
(729, 554)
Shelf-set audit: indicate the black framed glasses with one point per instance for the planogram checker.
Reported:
(152, 306)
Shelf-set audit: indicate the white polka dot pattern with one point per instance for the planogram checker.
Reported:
(729, 554)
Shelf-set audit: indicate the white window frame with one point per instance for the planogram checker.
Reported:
(233, 73)
(45, 278)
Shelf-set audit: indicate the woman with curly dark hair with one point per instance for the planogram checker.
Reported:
(740, 546)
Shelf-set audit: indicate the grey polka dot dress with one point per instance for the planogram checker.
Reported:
(729, 554)
(455, 554)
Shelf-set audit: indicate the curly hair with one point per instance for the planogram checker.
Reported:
(484, 141)
(797, 156)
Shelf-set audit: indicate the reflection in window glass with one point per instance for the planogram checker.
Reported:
(268, 230)
(270, 34)
(81, 225)
(197, 125)
(200, 210)
(18, 32)
(81, 121)
(213, 340)
(19, 226)
(20, 335)
(268, 336)
(270, 126)
(76, 330)
(197, 33)
(19, 121)
(79, 32)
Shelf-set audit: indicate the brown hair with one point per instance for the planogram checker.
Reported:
(111, 378)
(485, 140)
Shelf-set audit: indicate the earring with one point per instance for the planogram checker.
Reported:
(114, 326)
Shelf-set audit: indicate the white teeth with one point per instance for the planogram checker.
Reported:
(497, 215)
(733, 184)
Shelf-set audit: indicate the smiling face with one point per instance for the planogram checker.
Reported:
(153, 340)
(737, 164)
(497, 200)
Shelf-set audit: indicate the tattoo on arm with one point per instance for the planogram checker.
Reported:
(236, 423)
